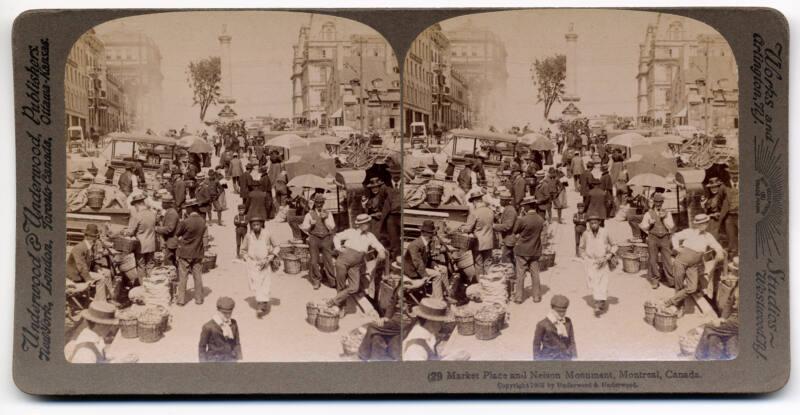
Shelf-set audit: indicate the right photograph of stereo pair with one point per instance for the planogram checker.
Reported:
(571, 189)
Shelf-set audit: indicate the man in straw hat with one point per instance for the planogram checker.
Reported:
(192, 234)
(319, 225)
(81, 260)
(89, 346)
(658, 225)
(219, 337)
(596, 249)
(142, 225)
(691, 244)
(554, 338)
(480, 221)
(527, 250)
(417, 267)
(421, 342)
(352, 246)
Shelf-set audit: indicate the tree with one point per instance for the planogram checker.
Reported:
(203, 77)
(548, 76)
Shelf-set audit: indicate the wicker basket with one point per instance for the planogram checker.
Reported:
(209, 261)
(641, 250)
(312, 311)
(328, 320)
(486, 326)
(303, 253)
(149, 332)
(630, 262)
(285, 249)
(465, 322)
(128, 327)
(649, 312)
(548, 258)
(433, 194)
(125, 245)
(291, 264)
(461, 240)
(665, 321)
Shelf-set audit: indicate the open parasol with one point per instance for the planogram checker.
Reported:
(537, 142)
(308, 180)
(194, 144)
(648, 180)
(629, 140)
(287, 141)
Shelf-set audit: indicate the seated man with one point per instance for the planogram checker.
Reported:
(352, 246)
(81, 261)
(417, 262)
(422, 340)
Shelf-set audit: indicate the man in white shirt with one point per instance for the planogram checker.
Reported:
(420, 343)
(352, 246)
(101, 328)
(691, 244)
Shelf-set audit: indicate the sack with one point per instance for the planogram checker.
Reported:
(613, 262)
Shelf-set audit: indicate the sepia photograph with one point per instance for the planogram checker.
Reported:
(233, 190)
(571, 188)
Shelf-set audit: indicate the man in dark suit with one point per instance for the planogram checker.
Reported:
(528, 230)
(192, 234)
(586, 178)
(125, 181)
(517, 186)
(219, 338)
(80, 261)
(390, 219)
(266, 185)
(178, 190)
(246, 182)
(554, 338)
(417, 261)
(596, 201)
(167, 227)
(505, 226)
(256, 205)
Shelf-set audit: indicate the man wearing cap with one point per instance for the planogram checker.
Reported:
(219, 337)
(352, 245)
(691, 244)
(142, 225)
(596, 249)
(505, 227)
(417, 262)
(554, 338)
(125, 182)
(81, 260)
(89, 346)
(421, 341)
(480, 222)
(192, 234)
(528, 231)
(319, 225)
(658, 225)
(259, 249)
(169, 223)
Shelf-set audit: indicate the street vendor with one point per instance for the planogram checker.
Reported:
(352, 246)
(505, 227)
(82, 260)
(417, 263)
(658, 225)
(374, 204)
(258, 250)
(319, 225)
(596, 250)
(527, 251)
(167, 227)
(691, 244)
(142, 225)
(480, 224)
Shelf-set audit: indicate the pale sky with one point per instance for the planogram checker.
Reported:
(261, 54)
(607, 54)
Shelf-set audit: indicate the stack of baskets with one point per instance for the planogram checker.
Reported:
(303, 253)
(641, 250)
(660, 317)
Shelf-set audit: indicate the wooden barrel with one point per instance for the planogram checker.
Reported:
(328, 320)
(465, 263)
(548, 258)
(630, 262)
(303, 253)
(433, 194)
(665, 321)
(640, 249)
(209, 261)
(95, 197)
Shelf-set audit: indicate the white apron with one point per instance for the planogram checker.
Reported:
(258, 248)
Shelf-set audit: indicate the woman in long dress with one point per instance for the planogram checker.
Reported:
(258, 250)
